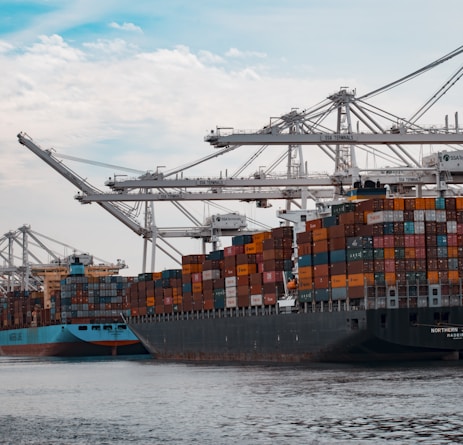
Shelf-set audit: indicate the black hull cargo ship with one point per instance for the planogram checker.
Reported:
(376, 280)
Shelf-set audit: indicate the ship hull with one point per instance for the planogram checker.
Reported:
(338, 336)
(70, 340)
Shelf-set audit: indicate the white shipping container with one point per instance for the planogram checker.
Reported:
(375, 217)
(451, 227)
(256, 300)
(230, 302)
(389, 215)
(441, 216)
(230, 291)
(398, 215)
(429, 215)
(230, 281)
(419, 227)
(211, 274)
(418, 215)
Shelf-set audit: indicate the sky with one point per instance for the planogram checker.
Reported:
(140, 84)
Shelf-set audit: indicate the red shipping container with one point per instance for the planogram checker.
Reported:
(270, 299)
(272, 276)
(388, 241)
(378, 242)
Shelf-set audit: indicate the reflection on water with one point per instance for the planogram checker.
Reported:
(140, 401)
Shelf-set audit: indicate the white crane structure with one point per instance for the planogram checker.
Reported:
(39, 260)
(228, 224)
(343, 127)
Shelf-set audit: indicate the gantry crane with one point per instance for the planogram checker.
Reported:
(40, 267)
(328, 126)
(229, 224)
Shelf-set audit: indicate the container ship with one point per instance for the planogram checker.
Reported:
(81, 316)
(374, 279)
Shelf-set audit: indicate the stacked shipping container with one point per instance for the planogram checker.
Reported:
(390, 242)
(80, 299)
(250, 272)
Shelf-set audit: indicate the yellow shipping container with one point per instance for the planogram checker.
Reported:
(149, 301)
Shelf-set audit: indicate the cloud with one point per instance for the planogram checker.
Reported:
(5, 47)
(236, 53)
(126, 27)
(208, 57)
(110, 46)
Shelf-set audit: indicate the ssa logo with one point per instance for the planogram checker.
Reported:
(452, 157)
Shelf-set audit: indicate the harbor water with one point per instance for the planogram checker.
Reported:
(136, 400)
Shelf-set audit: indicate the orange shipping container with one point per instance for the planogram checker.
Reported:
(259, 237)
(320, 246)
(390, 277)
(430, 203)
(191, 268)
(433, 276)
(369, 279)
(399, 204)
(356, 279)
(197, 287)
(453, 275)
(410, 252)
(305, 272)
(420, 204)
(246, 269)
(338, 280)
(305, 283)
(251, 248)
(320, 234)
(388, 253)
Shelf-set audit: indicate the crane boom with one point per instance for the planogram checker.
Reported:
(81, 184)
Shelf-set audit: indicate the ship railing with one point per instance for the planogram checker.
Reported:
(414, 295)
